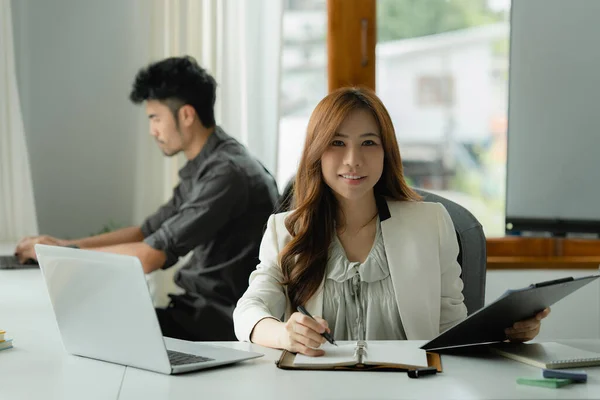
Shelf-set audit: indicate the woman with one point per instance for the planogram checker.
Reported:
(360, 249)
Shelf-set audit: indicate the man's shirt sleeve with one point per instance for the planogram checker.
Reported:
(214, 201)
(166, 211)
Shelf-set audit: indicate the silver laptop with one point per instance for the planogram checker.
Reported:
(104, 311)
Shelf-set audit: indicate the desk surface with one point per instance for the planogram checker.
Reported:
(476, 377)
(38, 368)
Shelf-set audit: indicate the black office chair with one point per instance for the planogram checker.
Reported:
(285, 200)
(472, 255)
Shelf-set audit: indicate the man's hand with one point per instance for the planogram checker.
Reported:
(528, 329)
(25, 251)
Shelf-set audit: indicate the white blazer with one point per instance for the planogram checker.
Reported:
(421, 249)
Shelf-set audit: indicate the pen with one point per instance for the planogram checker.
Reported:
(324, 334)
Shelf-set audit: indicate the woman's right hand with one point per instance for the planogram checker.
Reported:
(302, 334)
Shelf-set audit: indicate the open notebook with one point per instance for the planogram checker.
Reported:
(401, 355)
(549, 355)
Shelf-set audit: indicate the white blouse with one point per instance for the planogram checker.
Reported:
(359, 302)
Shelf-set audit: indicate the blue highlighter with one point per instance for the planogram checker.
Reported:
(575, 376)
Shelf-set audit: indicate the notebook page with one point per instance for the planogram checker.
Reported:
(343, 354)
(396, 352)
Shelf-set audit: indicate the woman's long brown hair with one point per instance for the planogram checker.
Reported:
(311, 225)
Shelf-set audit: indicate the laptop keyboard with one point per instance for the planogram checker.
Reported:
(177, 358)
(12, 262)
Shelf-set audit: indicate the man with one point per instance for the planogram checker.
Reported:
(218, 210)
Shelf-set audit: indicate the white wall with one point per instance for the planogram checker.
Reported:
(75, 63)
(577, 316)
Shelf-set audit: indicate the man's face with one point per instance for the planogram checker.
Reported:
(163, 128)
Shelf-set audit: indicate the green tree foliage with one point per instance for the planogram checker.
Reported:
(403, 19)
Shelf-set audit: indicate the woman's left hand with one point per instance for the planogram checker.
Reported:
(527, 329)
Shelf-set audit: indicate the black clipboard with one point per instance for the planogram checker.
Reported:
(487, 324)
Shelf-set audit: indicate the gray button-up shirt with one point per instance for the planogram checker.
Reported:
(218, 210)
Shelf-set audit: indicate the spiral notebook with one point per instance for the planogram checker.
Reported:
(549, 355)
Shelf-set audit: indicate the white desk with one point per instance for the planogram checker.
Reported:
(463, 378)
(38, 368)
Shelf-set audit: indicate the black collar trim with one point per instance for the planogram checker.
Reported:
(382, 208)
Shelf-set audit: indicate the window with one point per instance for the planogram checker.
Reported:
(303, 78)
(442, 72)
(435, 91)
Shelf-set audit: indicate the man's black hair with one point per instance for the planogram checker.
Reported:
(177, 81)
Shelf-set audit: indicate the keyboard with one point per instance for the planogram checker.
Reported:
(12, 262)
(177, 358)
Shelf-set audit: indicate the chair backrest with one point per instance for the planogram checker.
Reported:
(472, 255)
(285, 200)
(471, 242)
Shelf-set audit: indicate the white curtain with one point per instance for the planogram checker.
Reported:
(248, 72)
(239, 43)
(17, 207)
